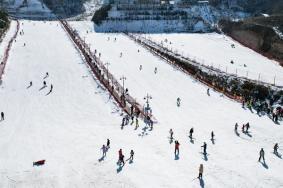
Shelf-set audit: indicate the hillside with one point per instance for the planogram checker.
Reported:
(263, 34)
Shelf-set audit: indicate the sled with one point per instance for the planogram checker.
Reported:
(38, 163)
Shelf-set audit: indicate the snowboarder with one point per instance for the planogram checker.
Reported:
(275, 149)
(171, 133)
(200, 171)
(204, 148)
(140, 67)
(178, 101)
(132, 155)
(155, 70)
(104, 150)
(207, 92)
(108, 143)
(261, 155)
(2, 116)
(212, 135)
(177, 144)
(191, 132)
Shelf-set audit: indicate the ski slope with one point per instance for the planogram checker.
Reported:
(197, 110)
(68, 126)
(215, 50)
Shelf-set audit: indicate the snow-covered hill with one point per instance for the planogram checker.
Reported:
(68, 126)
(30, 9)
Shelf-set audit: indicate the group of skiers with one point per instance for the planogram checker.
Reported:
(177, 147)
(44, 83)
(121, 161)
(245, 128)
(273, 112)
(261, 152)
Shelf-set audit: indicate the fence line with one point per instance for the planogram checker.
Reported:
(115, 89)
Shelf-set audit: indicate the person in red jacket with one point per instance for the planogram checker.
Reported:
(177, 144)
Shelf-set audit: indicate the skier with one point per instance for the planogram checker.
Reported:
(200, 171)
(275, 149)
(30, 83)
(177, 144)
(132, 119)
(132, 155)
(121, 54)
(122, 160)
(247, 127)
(104, 150)
(44, 83)
(261, 155)
(236, 127)
(207, 92)
(204, 148)
(212, 135)
(46, 75)
(132, 110)
(137, 123)
(2, 116)
(51, 88)
(178, 101)
(191, 132)
(155, 70)
(140, 67)
(171, 134)
(243, 128)
(108, 143)
(120, 156)
(123, 122)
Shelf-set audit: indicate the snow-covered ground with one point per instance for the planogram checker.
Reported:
(69, 126)
(215, 50)
(33, 9)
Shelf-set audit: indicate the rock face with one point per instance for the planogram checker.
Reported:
(261, 34)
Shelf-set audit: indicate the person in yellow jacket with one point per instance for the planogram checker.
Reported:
(200, 171)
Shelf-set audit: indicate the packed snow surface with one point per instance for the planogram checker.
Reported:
(68, 127)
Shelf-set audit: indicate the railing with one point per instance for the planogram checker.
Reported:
(115, 89)
(183, 64)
